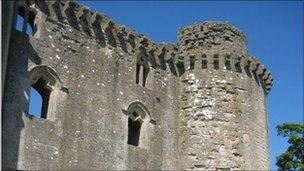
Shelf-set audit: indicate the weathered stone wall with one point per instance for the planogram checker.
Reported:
(90, 130)
(7, 8)
(222, 114)
(223, 102)
(202, 117)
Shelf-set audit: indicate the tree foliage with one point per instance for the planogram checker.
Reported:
(293, 157)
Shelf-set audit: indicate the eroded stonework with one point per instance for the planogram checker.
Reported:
(198, 104)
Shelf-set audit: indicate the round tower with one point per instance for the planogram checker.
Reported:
(223, 105)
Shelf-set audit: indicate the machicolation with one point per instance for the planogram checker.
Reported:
(114, 99)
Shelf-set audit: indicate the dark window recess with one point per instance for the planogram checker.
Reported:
(238, 67)
(216, 64)
(228, 65)
(187, 41)
(40, 87)
(192, 62)
(204, 64)
(248, 71)
(133, 131)
(137, 73)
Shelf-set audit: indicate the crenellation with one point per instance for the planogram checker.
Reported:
(206, 94)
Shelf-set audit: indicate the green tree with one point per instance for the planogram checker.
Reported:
(292, 158)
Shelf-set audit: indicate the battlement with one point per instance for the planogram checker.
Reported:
(104, 31)
(244, 64)
(211, 44)
(212, 36)
(148, 105)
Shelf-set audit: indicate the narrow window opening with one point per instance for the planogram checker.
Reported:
(238, 67)
(35, 103)
(19, 23)
(133, 130)
(181, 68)
(145, 75)
(228, 65)
(40, 87)
(192, 62)
(248, 71)
(204, 64)
(216, 64)
(137, 73)
(29, 30)
(25, 25)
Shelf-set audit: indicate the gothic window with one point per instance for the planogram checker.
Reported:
(45, 84)
(139, 120)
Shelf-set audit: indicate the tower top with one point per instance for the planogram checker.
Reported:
(212, 36)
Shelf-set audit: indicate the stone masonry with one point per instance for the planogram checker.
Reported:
(114, 99)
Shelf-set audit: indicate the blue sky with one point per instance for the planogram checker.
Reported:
(274, 32)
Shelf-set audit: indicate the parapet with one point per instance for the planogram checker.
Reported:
(219, 46)
(212, 36)
(210, 45)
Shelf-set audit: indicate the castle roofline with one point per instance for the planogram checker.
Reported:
(203, 26)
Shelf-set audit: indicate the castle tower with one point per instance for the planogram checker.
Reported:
(223, 108)
(112, 99)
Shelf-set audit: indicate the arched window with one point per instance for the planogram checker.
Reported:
(47, 84)
(139, 119)
(44, 91)
(25, 21)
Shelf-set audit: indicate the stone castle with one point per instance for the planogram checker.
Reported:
(114, 99)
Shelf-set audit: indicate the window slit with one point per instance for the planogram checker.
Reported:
(216, 64)
(137, 73)
(192, 62)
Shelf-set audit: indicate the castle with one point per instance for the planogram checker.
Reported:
(114, 99)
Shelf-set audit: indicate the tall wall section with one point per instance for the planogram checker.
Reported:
(99, 71)
(202, 102)
(223, 111)
(7, 8)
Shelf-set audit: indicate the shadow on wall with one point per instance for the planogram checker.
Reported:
(16, 96)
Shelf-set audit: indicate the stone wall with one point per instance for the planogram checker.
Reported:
(219, 115)
(223, 101)
(204, 106)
